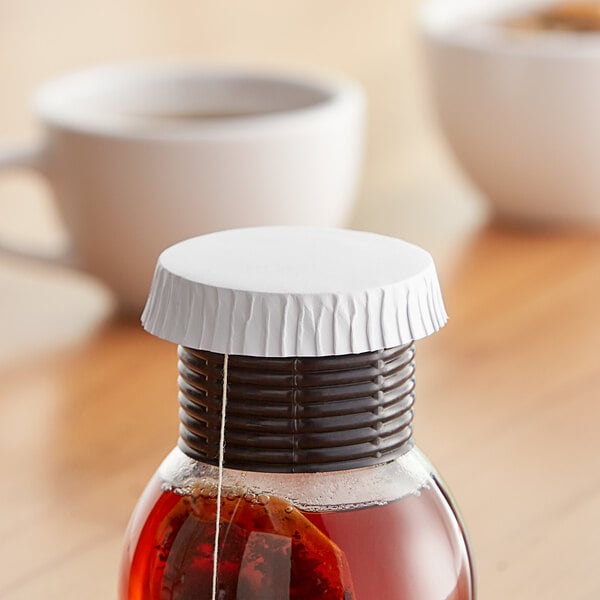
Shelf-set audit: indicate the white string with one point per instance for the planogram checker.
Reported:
(220, 481)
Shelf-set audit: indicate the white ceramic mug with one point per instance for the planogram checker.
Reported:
(139, 157)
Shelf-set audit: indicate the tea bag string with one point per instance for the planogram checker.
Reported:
(220, 477)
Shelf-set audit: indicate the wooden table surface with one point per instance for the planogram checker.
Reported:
(508, 393)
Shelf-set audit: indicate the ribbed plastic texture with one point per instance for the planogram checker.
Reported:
(291, 291)
(295, 415)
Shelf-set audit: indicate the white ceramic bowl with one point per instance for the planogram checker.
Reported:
(521, 112)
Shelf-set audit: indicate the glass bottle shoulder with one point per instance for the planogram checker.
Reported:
(336, 490)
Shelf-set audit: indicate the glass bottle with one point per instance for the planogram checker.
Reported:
(299, 469)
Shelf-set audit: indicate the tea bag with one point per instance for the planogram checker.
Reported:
(268, 551)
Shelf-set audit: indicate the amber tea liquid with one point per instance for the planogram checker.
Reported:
(270, 550)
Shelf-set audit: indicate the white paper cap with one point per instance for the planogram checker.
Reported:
(294, 291)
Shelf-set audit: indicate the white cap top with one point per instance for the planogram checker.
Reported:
(294, 291)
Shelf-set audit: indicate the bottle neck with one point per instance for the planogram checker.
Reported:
(297, 415)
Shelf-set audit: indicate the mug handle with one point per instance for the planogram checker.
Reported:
(30, 157)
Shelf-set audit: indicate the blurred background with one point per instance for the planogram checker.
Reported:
(408, 180)
(507, 393)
